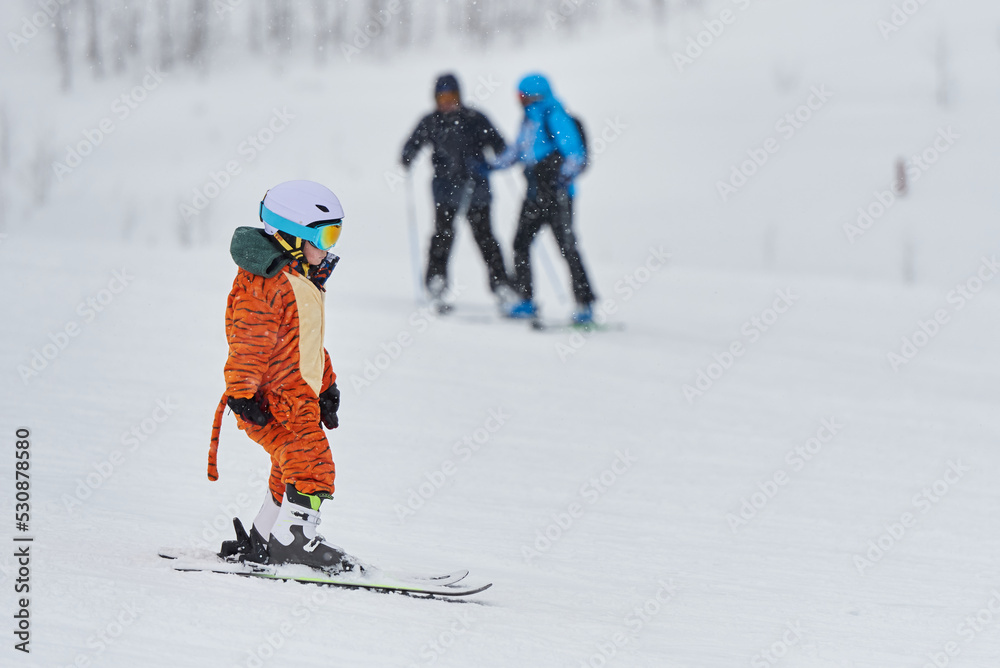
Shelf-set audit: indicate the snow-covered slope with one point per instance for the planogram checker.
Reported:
(638, 498)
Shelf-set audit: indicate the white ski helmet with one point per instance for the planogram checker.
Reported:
(293, 205)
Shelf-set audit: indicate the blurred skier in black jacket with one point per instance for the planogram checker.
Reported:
(458, 136)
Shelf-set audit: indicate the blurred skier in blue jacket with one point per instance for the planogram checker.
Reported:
(552, 149)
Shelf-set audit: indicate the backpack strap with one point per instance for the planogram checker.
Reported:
(545, 124)
(548, 129)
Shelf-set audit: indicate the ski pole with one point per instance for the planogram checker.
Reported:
(550, 271)
(411, 212)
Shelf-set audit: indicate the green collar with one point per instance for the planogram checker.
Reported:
(254, 250)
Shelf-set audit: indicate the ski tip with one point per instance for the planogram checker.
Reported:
(459, 590)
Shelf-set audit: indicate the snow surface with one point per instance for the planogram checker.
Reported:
(651, 558)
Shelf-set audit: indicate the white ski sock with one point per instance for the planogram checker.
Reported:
(266, 516)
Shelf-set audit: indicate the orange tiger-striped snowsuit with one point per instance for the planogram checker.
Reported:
(275, 325)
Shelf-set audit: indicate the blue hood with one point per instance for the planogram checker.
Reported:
(535, 84)
(546, 128)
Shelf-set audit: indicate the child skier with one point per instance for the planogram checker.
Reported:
(279, 380)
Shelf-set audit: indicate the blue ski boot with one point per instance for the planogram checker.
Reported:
(583, 316)
(523, 310)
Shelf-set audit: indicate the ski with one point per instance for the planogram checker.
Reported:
(369, 578)
(540, 325)
(203, 555)
(537, 323)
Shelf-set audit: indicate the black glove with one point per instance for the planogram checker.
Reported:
(329, 404)
(478, 168)
(249, 410)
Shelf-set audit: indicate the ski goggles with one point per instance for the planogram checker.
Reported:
(323, 234)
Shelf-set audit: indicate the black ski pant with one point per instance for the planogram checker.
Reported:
(444, 237)
(554, 208)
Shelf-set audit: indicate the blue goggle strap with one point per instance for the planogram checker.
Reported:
(309, 234)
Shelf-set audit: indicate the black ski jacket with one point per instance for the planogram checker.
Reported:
(458, 139)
